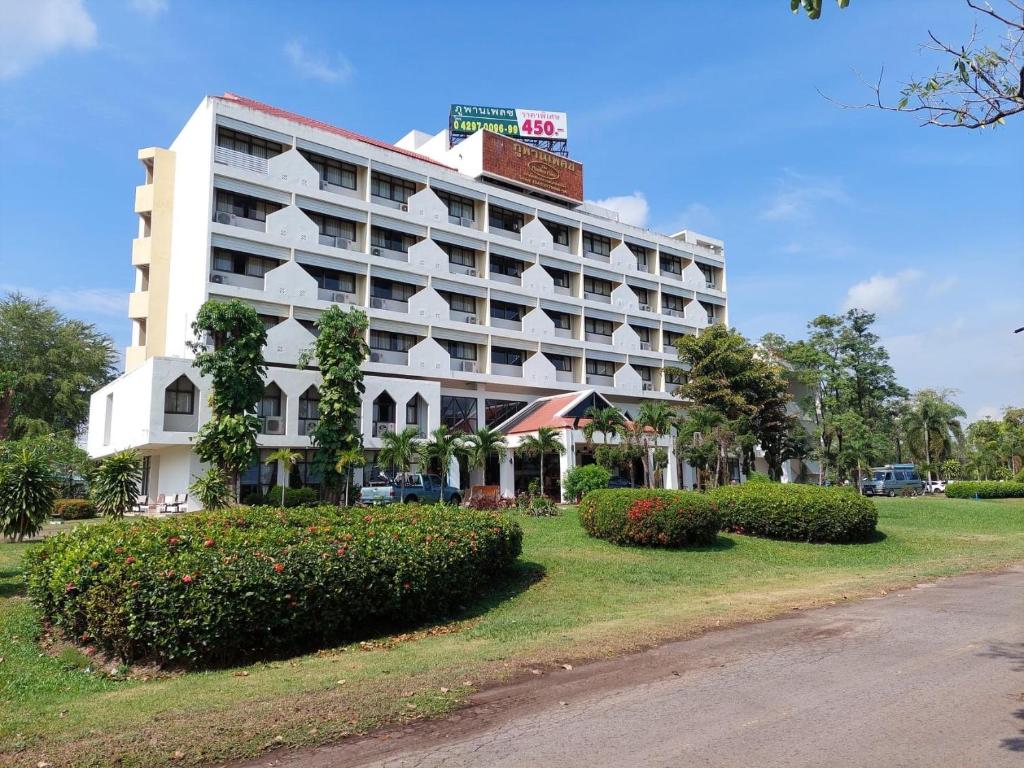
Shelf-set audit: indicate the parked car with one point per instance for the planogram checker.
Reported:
(411, 487)
(891, 479)
(620, 482)
(935, 486)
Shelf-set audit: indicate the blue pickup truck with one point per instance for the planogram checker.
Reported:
(411, 487)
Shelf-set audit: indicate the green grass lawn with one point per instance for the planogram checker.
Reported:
(571, 598)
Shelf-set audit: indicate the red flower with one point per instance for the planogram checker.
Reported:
(278, 567)
(406, 585)
(129, 560)
(173, 541)
(70, 587)
(341, 551)
(368, 518)
(95, 564)
(187, 579)
(209, 543)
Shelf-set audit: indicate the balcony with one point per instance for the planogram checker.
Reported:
(381, 428)
(512, 325)
(390, 305)
(233, 157)
(462, 221)
(597, 256)
(389, 203)
(336, 241)
(138, 304)
(461, 269)
(564, 333)
(326, 186)
(271, 425)
(596, 380)
(646, 346)
(465, 366)
(500, 369)
(598, 338)
(563, 290)
(565, 377)
(337, 297)
(463, 317)
(510, 279)
(142, 251)
(510, 233)
(562, 248)
(241, 281)
(645, 308)
(307, 426)
(144, 198)
(597, 297)
(389, 356)
(670, 350)
(672, 312)
(387, 253)
(223, 217)
(648, 386)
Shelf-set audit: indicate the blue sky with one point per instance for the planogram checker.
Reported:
(701, 115)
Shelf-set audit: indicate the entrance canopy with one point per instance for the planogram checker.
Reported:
(557, 411)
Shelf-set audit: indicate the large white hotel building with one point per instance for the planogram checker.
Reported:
(495, 294)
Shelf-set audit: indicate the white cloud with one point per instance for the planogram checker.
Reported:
(632, 209)
(317, 66)
(880, 293)
(797, 196)
(32, 30)
(149, 7)
(78, 302)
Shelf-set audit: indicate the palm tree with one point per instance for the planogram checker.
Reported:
(347, 459)
(544, 442)
(288, 459)
(606, 421)
(701, 428)
(399, 450)
(932, 425)
(443, 446)
(653, 418)
(481, 444)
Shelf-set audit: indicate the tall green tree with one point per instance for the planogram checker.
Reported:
(49, 366)
(703, 438)
(441, 448)
(399, 450)
(654, 420)
(228, 348)
(482, 444)
(340, 351)
(932, 426)
(115, 486)
(540, 445)
(603, 421)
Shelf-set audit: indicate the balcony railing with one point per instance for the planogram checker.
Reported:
(336, 241)
(389, 356)
(391, 305)
(645, 346)
(511, 233)
(462, 221)
(388, 253)
(599, 380)
(562, 248)
(337, 189)
(510, 279)
(337, 297)
(388, 202)
(671, 311)
(564, 333)
(238, 159)
(500, 369)
(648, 386)
(566, 377)
(597, 297)
(563, 290)
(600, 338)
(512, 325)
(465, 366)
(223, 217)
(461, 269)
(463, 317)
(231, 278)
(597, 256)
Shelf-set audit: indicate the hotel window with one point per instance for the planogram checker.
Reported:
(600, 327)
(458, 413)
(460, 303)
(671, 337)
(390, 239)
(332, 226)
(596, 244)
(597, 285)
(671, 264)
(391, 187)
(180, 397)
(391, 342)
(560, 319)
(502, 265)
(645, 373)
(390, 289)
(465, 257)
(331, 279)
(336, 172)
(643, 333)
(270, 403)
(559, 232)
(709, 276)
(460, 350)
(503, 310)
(641, 255)
(242, 263)
(560, 362)
(643, 295)
(458, 206)
(559, 277)
(600, 368)
(309, 410)
(506, 356)
(675, 303)
(502, 218)
(269, 321)
(250, 145)
(497, 411)
(244, 206)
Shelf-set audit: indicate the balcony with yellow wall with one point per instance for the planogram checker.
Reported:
(138, 304)
(144, 198)
(142, 251)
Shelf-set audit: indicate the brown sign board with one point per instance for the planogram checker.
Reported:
(530, 166)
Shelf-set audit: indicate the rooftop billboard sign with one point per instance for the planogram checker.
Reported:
(527, 165)
(465, 119)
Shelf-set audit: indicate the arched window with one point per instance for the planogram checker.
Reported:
(180, 396)
(309, 411)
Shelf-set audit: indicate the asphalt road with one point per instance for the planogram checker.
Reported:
(929, 677)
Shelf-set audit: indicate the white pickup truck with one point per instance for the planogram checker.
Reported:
(935, 486)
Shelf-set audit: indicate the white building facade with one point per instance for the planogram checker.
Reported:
(483, 295)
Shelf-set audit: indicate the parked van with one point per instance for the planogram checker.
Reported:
(891, 479)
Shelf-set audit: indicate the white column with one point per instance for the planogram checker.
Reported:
(671, 471)
(476, 476)
(454, 475)
(689, 476)
(787, 471)
(566, 461)
(507, 473)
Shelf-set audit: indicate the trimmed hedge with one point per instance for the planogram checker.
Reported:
(579, 481)
(647, 517)
(74, 509)
(293, 497)
(984, 489)
(228, 585)
(795, 512)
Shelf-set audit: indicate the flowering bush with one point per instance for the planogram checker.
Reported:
(985, 489)
(650, 517)
(74, 509)
(796, 512)
(228, 585)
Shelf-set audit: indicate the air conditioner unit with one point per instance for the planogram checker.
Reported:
(223, 217)
(648, 386)
(377, 303)
(471, 319)
(645, 307)
(404, 207)
(384, 429)
(466, 366)
(215, 278)
(375, 251)
(339, 297)
(516, 226)
(645, 345)
(471, 271)
(376, 357)
(273, 425)
(466, 222)
(710, 283)
(323, 184)
(342, 242)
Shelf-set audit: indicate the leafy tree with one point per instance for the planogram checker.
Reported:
(288, 459)
(603, 421)
(481, 444)
(340, 350)
(71, 465)
(348, 459)
(812, 7)
(441, 448)
(931, 423)
(953, 469)
(115, 485)
(1013, 437)
(213, 489)
(700, 440)
(540, 445)
(228, 348)
(399, 450)
(579, 481)
(49, 366)
(27, 492)
(653, 421)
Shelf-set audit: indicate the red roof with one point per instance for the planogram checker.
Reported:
(310, 122)
(545, 414)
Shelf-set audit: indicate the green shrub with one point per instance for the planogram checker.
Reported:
(213, 489)
(74, 509)
(228, 585)
(27, 492)
(984, 489)
(650, 517)
(759, 478)
(796, 512)
(579, 481)
(293, 497)
(1019, 477)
